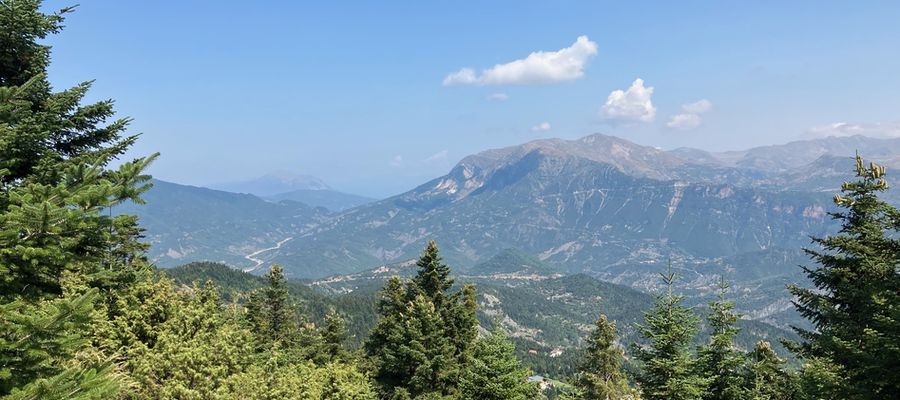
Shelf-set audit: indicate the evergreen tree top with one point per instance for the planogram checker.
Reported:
(857, 290)
(433, 277)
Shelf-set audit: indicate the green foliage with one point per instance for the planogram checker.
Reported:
(194, 351)
(460, 321)
(720, 360)
(278, 327)
(424, 334)
(820, 378)
(55, 242)
(272, 317)
(181, 343)
(494, 372)
(303, 381)
(39, 344)
(53, 176)
(668, 367)
(854, 306)
(600, 375)
(767, 378)
(75, 383)
(433, 278)
(42, 132)
(334, 336)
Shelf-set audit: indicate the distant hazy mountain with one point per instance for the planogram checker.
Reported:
(785, 157)
(273, 183)
(189, 223)
(306, 189)
(330, 199)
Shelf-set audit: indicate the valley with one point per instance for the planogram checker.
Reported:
(166, 232)
(598, 205)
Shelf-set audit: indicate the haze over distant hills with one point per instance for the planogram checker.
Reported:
(306, 189)
(273, 183)
(186, 223)
(599, 205)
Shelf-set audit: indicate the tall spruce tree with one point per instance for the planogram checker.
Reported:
(72, 134)
(434, 368)
(600, 375)
(720, 360)
(333, 334)
(668, 367)
(278, 326)
(425, 332)
(461, 322)
(271, 314)
(382, 346)
(494, 372)
(854, 305)
(433, 278)
(57, 239)
(54, 184)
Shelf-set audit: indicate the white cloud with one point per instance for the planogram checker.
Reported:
(465, 76)
(684, 121)
(498, 96)
(543, 126)
(878, 130)
(437, 157)
(698, 107)
(690, 118)
(539, 67)
(397, 161)
(633, 104)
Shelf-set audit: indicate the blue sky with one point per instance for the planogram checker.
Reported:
(370, 96)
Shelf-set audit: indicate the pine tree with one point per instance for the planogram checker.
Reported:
(668, 371)
(720, 360)
(334, 334)
(461, 322)
(600, 375)
(386, 336)
(434, 368)
(767, 379)
(272, 316)
(857, 291)
(57, 239)
(54, 183)
(494, 372)
(38, 347)
(424, 333)
(73, 134)
(433, 278)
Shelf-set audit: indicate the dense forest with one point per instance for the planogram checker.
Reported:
(84, 315)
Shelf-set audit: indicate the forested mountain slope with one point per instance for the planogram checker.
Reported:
(188, 223)
(547, 318)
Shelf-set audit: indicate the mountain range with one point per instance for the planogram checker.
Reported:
(306, 189)
(599, 205)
